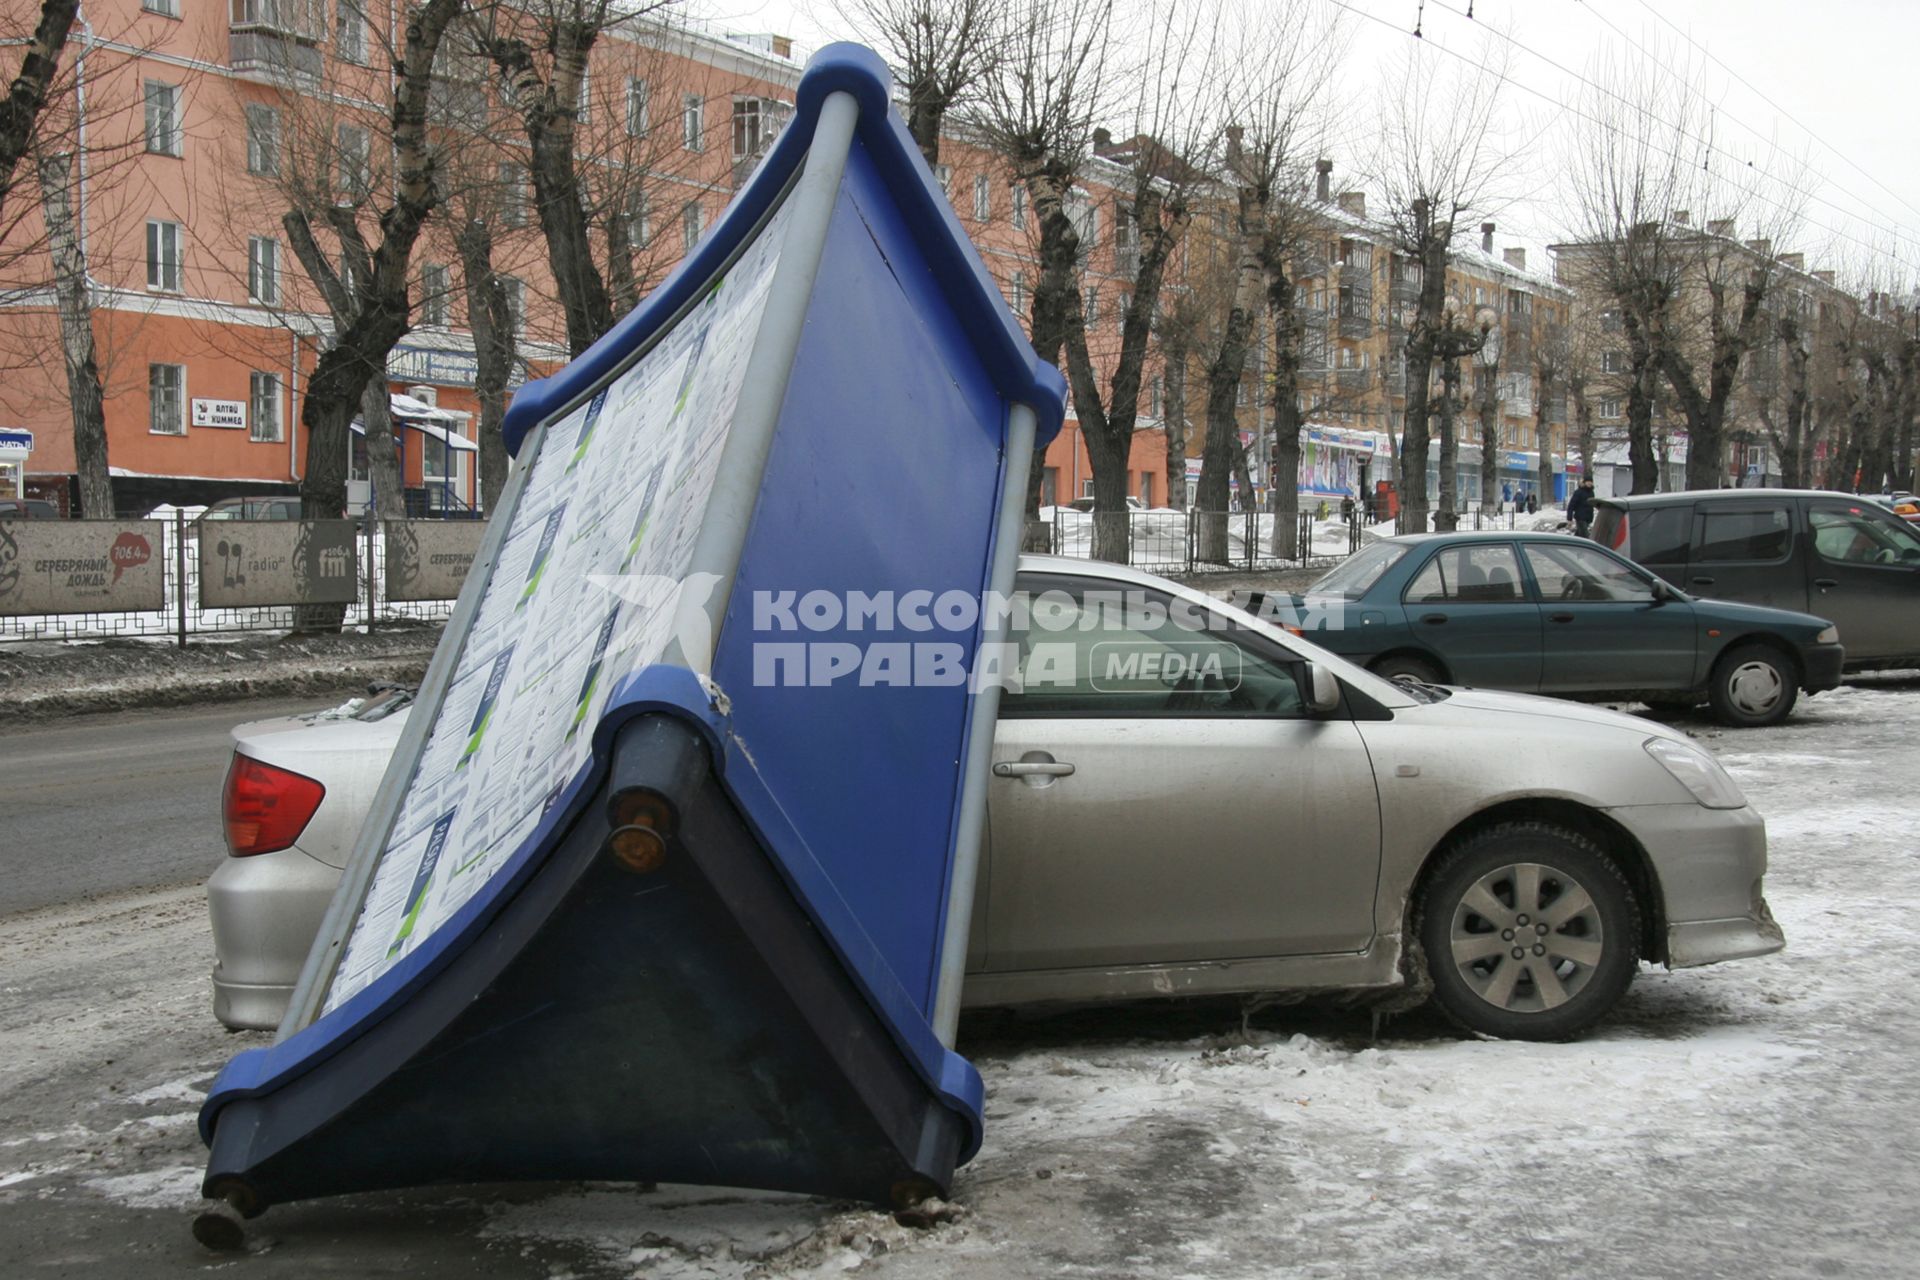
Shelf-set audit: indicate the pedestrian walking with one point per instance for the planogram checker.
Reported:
(1533, 504)
(1580, 508)
(1346, 508)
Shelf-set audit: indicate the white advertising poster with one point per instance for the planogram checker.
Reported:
(617, 493)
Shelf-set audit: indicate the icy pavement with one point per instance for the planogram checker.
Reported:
(1748, 1119)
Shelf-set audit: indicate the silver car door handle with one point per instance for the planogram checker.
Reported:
(1032, 769)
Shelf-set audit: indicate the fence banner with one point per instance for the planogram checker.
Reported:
(81, 566)
(429, 559)
(260, 562)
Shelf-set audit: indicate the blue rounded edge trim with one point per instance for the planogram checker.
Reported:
(256, 1072)
(1021, 376)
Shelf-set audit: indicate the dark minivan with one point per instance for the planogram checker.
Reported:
(1843, 557)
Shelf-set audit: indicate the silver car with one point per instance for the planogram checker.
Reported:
(1188, 800)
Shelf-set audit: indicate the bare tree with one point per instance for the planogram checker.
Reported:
(491, 321)
(74, 305)
(1037, 112)
(32, 86)
(1436, 163)
(941, 50)
(368, 290)
(1278, 68)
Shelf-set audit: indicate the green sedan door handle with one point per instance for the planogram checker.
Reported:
(1435, 618)
(1561, 617)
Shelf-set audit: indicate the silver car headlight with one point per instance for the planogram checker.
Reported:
(1698, 772)
(1830, 636)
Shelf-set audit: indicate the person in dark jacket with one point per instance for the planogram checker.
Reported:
(1580, 508)
(1533, 503)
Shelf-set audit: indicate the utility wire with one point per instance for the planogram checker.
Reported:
(1805, 193)
(1795, 120)
(1876, 250)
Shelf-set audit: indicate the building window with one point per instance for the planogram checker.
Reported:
(583, 100)
(513, 195)
(1125, 243)
(163, 256)
(692, 225)
(1610, 362)
(1092, 314)
(1153, 396)
(1085, 217)
(350, 32)
(639, 219)
(1019, 194)
(165, 8)
(263, 269)
(943, 174)
(516, 292)
(349, 277)
(263, 404)
(263, 140)
(636, 108)
(749, 127)
(435, 295)
(1609, 408)
(355, 177)
(163, 118)
(167, 399)
(1019, 292)
(1120, 312)
(693, 122)
(982, 198)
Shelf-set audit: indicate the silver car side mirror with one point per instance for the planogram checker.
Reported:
(1323, 690)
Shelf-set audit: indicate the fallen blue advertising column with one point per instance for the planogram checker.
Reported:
(671, 874)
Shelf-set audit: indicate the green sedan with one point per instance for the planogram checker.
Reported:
(1549, 613)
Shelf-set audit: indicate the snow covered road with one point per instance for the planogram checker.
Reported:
(1749, 1119)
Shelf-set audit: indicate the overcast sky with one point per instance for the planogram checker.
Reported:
(1828, 81)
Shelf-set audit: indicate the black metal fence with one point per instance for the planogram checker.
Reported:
(1191, 542)
(189, 606)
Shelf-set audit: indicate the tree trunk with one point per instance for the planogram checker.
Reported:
(1542, 434)
(1490, 442)
(75, 304)
(1640, 459)
(547, 114)
(27, 95)
(1174, 422)
(1287, 335)
(383, 460)
(491, 323)
(1447, 518)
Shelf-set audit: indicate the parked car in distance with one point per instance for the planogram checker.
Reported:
(1838, 555)
(267, 508)
(1186, 800)
(28, 509)
(1553, 613)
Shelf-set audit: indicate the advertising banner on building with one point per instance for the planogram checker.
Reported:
(81, 566)
(244, 563)
(429, 559)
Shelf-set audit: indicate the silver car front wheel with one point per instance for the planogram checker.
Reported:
(1530, 932)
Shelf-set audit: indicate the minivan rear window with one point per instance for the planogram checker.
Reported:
(1731, 536)
(1658, 535)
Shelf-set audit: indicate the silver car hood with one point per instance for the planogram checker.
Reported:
(1539, 708)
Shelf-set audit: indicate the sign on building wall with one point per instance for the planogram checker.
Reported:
(81, 566)
(220, 413)
(429, 559)
(263, 562)
(433, 366)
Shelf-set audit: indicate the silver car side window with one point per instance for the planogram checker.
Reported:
(1089, 654)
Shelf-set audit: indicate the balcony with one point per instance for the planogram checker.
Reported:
(1403, 291)
(1352, 381)
(1519, 340)
(1356, 321)
(276, 41)
(1309, 262)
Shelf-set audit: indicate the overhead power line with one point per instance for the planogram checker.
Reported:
(1559, 104)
